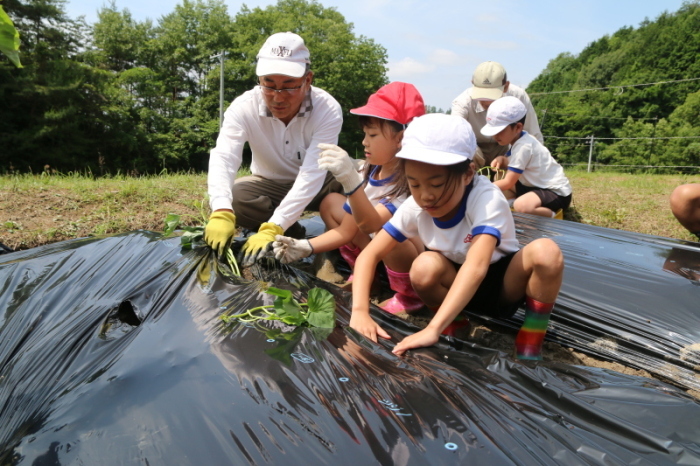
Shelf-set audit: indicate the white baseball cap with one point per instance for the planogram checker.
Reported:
(488, 81)
(438, 139)
(283, 53)
(503, 112)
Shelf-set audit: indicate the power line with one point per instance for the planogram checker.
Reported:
(620, 88)
(601, 165)
(598, 117)
(620, 139)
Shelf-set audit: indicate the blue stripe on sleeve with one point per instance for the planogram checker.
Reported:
(396, 234)
(516, 170)
(389, 206)
(346, 208)
(486, 230)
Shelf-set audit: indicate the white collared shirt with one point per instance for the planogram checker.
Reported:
(280, 152)
(472, 111)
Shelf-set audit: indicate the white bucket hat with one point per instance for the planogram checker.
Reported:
(438, 139)
(503, 112)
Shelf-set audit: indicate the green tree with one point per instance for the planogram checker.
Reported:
(611, 69)
(9, 38)
(43, 104)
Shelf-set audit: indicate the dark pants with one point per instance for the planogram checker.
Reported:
(255, 198)
(548, 198)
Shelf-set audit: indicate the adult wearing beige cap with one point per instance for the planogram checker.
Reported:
(283, 119)
(490, 82)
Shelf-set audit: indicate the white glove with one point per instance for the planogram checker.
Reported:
(337, 161)
(288, 249)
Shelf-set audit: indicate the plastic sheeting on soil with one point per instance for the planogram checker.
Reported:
(111, 352)
(627, 297)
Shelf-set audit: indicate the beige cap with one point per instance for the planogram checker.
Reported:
(488, 81)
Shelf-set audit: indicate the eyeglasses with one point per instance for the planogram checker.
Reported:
(284, 92)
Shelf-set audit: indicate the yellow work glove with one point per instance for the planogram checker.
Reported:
(220, 230)
(259, 243)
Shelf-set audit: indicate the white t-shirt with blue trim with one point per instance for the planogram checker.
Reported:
(536, 166)
(483, 210)
(376, 191)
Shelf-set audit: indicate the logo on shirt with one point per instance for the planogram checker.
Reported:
(469, 238)
(281, 51)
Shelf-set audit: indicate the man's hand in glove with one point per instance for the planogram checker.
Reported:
(290, 250)
(220, 230)
(260, 243)
(338, 162)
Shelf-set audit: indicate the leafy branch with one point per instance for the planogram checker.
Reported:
(194, 236)
(318, 311)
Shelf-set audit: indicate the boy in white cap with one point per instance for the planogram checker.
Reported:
(534, 178)
(490, 82)
(283, 119)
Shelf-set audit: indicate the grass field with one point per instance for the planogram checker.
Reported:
(42, 209)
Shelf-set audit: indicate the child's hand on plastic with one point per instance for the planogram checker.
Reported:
(288, 249)
(364, 324)
(426, 337)
(338, 162)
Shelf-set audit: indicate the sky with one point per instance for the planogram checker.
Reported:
(436, 45)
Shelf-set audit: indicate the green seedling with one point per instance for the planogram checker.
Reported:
(317, 312)
(194, 236)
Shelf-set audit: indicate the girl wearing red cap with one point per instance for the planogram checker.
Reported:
(370, 199)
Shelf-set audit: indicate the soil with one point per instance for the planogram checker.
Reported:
(483, 333)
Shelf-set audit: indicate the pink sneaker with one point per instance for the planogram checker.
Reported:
(405, 299)
(401, 303)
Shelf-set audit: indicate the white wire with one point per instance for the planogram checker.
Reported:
(621, 88)
(620, 139)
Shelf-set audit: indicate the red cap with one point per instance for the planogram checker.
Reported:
(397, 101)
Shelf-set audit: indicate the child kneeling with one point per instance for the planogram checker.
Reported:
(370, 198)
(534, 178)
(472, 257)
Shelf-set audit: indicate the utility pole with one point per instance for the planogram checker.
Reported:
(590, 153)
(544, 115)
(653, 135)
(221, 56)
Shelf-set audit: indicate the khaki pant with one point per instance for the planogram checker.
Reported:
(255, 198)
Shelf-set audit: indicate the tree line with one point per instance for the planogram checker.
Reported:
(141, 97)
(625, 103)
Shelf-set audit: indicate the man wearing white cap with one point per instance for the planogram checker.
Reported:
(490, 82)
(283, 119)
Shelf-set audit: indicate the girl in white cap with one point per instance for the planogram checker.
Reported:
(472, 257)
(353, 219)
